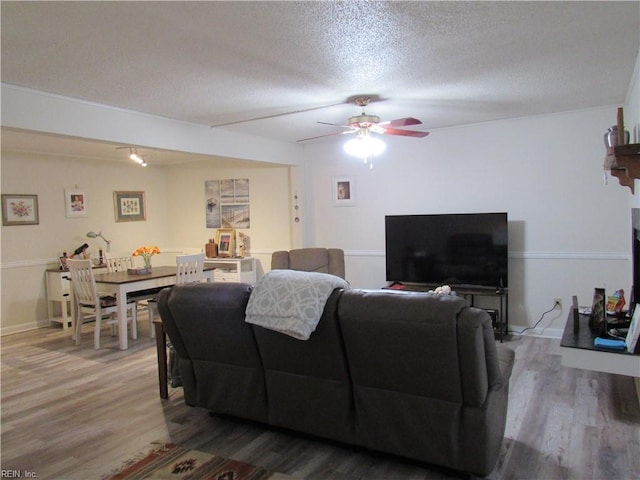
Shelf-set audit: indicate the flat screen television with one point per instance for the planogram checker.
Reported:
(459, 249)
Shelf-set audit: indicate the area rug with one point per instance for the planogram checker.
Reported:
(172, 462)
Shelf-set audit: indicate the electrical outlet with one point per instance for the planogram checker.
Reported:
(557, 303)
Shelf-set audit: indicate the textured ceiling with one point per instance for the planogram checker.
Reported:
(446, 63)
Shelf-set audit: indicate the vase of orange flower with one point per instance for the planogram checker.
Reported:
(146, 253)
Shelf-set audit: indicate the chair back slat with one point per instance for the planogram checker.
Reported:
(190, 268)
(83, 282)
(118, 263)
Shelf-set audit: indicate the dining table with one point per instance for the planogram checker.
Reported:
(123, 283)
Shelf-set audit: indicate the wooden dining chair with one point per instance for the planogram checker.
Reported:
(121, 263)
(190, 268)
(91, 304)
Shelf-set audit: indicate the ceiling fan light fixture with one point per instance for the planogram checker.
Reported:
(364, 146)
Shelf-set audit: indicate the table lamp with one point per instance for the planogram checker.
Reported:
(99, 234)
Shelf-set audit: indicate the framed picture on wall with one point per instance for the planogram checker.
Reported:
(75, 202)
(19, 209)
(225, 240)
(344, 191)
(129, 206)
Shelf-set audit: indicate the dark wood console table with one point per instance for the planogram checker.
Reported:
(161, 346)
(501, 326)
(578, 351)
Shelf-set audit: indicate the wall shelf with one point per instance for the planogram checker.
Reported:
(623, 161)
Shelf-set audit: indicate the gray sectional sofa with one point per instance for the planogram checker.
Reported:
(417, 375)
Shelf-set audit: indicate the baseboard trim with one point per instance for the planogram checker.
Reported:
(24, 327)
(537, 332)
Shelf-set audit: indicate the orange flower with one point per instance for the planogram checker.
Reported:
(146, 253)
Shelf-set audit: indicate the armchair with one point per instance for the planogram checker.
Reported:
(323, 260)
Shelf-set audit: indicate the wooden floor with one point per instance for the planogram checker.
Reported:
(76, 413)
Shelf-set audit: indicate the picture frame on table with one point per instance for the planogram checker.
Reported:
(634, 330)
(344, 191)
(19, 209)
(129, 206)
(225, 238)
(75, 203)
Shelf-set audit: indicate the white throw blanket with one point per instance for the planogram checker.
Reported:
(290, 301)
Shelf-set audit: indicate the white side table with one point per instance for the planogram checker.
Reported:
(59, 290)
(236, 270)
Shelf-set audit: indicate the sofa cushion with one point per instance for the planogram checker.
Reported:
(219, 360)
(417, 329)
(308, 382)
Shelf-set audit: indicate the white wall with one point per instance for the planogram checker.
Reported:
(568, 230)
(175, 199)
(27, 251)
(269, 208)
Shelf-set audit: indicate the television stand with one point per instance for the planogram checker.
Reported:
(470, 292)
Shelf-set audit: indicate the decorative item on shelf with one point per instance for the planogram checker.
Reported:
(611, 137)
(63, 261)
(243, 245)
(211, 249)
(146, 253)
(81, 252)
(226, 242)
(616, 302)
(597, 319)
(622, 159)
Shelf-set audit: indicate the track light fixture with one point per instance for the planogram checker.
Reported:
(133, 155)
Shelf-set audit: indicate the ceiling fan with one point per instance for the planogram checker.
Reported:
(365, 124)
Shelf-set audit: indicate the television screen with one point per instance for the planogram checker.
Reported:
(460, 249)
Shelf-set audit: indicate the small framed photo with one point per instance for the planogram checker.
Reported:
(225, 238)
(344, 191)
(75, 202)
(19, 209)
(634, 330)
(129, 206)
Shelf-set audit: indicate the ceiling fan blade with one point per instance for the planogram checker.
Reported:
(275, 115)
(400, 122)
(405, 133)
(327, 135)
(334, 125)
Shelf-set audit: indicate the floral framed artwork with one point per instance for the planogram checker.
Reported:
(75, 202)
(19, 209)
(225, 238)
(344, 191)
(129, 206)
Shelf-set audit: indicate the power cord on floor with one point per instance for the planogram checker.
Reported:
(538, 322)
